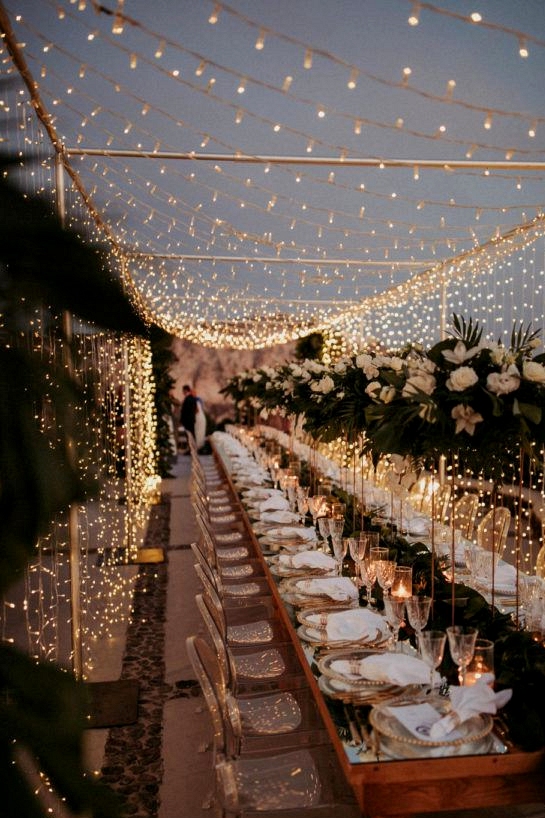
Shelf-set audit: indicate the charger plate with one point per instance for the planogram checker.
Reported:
(280, 570)
(341, 680)
(316, 635)
(388, 694)
(293, 593)
(471, 736)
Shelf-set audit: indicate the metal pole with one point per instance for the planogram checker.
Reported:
(348, 161)
(348, 262)
(73, 522)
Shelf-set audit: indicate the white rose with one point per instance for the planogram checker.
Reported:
(501, 383)
(340, 367)
(296, 370)
(324, 385)
(256, 378)
(363, 360)
(396, 363)
(371, 371)
(418, 383)
(387, 394)
(533, 371)
(462, 378)
(372, 388)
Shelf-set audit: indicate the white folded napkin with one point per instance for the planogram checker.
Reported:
(469, 701)
(390, 668)
(419, 525)
(279, 517)
(293, 533)
(307, 559)
(357, 623)
(338, 588)
(273, 503)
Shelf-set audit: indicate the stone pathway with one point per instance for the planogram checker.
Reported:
(133, 765)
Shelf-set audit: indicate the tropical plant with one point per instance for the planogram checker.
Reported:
(44, 269)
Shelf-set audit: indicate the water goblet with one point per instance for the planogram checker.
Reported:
(302, 502)
(368, 574)
(418, 611)
(431, 646)
(357, 548)
(385, 573)
(340, 547)
(323, 528)
(317, 505)
(336, 528)
(461, 641)
(394, 611)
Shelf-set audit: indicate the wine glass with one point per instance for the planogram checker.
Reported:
(461, 641)
(431, 645)
(418, 611)
(340, 547)
(368, 574)
(385, 568)
(394, 611)
(323, 528)
(302, 501)
(317, 505)
(357, 548)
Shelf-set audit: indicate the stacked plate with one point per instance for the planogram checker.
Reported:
(401, 732)
(342, 627)
(324, 591)
(338, 681)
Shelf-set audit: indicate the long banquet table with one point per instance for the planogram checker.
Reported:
(405, 787)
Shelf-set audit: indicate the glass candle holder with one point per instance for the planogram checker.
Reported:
(402, 586)
(481, 667)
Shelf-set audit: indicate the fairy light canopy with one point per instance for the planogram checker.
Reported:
(265, 169)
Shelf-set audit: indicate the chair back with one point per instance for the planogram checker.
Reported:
(464, 514)
(493, 529)
(202, 659)
(225, 658)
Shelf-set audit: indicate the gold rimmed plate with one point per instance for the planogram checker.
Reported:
(472, 736)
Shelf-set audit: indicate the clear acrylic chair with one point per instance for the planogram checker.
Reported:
(493, 529)
(251, 626)
(435, 502)
(257, 723)
(228, 565)
(246, 589)
(464, 514)
(248, 669)
(304, 783)
(237, 608)
(227, 569)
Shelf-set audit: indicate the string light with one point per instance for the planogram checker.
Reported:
(213, 19)
(414, 17)
(260, 42)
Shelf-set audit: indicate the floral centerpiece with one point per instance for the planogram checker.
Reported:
(478, 400)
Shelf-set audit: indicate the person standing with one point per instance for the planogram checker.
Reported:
(188, 412)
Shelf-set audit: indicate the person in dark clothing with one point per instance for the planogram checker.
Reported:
(189, 410)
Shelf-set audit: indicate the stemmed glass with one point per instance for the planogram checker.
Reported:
(431, 645)
(394, 610)
(302, 501)
(357, 547)
(461, 641)
(317, 505)
(340, 547)
(323, 528)
(368, 573)
(418, 611)
(385, 568)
